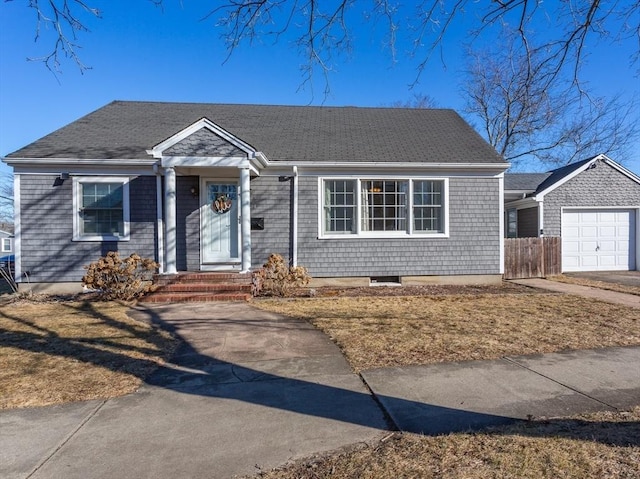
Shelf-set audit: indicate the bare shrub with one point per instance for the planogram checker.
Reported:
(276, 278)
(115, 278)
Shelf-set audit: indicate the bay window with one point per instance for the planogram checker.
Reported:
(382, 207)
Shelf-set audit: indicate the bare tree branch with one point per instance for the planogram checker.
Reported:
(323, 33)
(525, 112)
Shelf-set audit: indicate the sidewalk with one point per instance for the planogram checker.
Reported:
(631, 300)
(250, 390)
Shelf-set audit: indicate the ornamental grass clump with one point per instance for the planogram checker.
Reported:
(112, 277)
(276, 278)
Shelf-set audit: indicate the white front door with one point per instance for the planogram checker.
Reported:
(598, 240)
(220, 240)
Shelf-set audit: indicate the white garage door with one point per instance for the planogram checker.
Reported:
(598, 240)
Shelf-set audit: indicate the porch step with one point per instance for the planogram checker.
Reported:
(200, 287)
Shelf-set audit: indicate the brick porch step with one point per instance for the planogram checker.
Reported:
(200, 287)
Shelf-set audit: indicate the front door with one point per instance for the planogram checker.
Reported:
(220, 241)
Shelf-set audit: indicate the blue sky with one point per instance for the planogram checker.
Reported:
(140, 52)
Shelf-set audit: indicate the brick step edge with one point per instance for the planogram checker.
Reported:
(203, 288)
(193, 297)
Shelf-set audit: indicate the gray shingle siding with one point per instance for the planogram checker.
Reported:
(187, 224)
(47, 251)
(472, 248)
(601, 186)
(204, 143)
(271, 200)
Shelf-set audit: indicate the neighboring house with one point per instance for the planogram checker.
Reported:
(6, 243)
(593, 205)
(353, 194)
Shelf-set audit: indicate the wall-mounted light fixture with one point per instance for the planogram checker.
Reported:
(59, 181)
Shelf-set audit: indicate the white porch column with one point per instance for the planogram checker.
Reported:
(245, 215)
(170, 219)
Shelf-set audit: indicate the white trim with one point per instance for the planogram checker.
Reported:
(245, 219)
(159, 224)
(170, 194)
(2, 245)
(540, 196)
(540, 231)
(77, 205)
(501, 213)
(50, 162)
(294, 220)
(17, 229)
(359, 234)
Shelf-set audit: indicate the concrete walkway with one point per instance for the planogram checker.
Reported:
(631, 300)
(250, 390)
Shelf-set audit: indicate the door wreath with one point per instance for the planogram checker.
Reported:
(221, 204)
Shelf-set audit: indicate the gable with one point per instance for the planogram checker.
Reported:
(204, 142)
(581, 171)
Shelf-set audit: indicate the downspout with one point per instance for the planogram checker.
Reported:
(294, 222)
(159, 219)
(541, 218)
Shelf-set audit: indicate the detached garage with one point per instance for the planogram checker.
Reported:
(593, 205)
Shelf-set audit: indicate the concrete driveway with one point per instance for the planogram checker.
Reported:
(626, 278)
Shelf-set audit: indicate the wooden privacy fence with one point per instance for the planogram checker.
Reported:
(532, 257)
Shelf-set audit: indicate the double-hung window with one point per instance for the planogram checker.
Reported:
(6, 245)
(101, 208)
(384, 207)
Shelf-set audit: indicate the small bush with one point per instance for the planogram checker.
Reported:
(275, 278)
(115, 278)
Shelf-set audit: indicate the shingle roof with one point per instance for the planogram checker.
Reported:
(125, 130)
(559, 173)
(524, 181)
(537, 182)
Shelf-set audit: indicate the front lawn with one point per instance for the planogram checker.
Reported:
(382, 331)
(594, 446)
(60, 351)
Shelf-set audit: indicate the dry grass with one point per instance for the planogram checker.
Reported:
(596, 446)
(402, 330)
(620, 288)
(54, 352)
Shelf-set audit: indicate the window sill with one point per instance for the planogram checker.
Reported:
(384, 236)
(100, 238)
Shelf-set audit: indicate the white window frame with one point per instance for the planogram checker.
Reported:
(359, 234)
(78, 181)
(6, 245)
